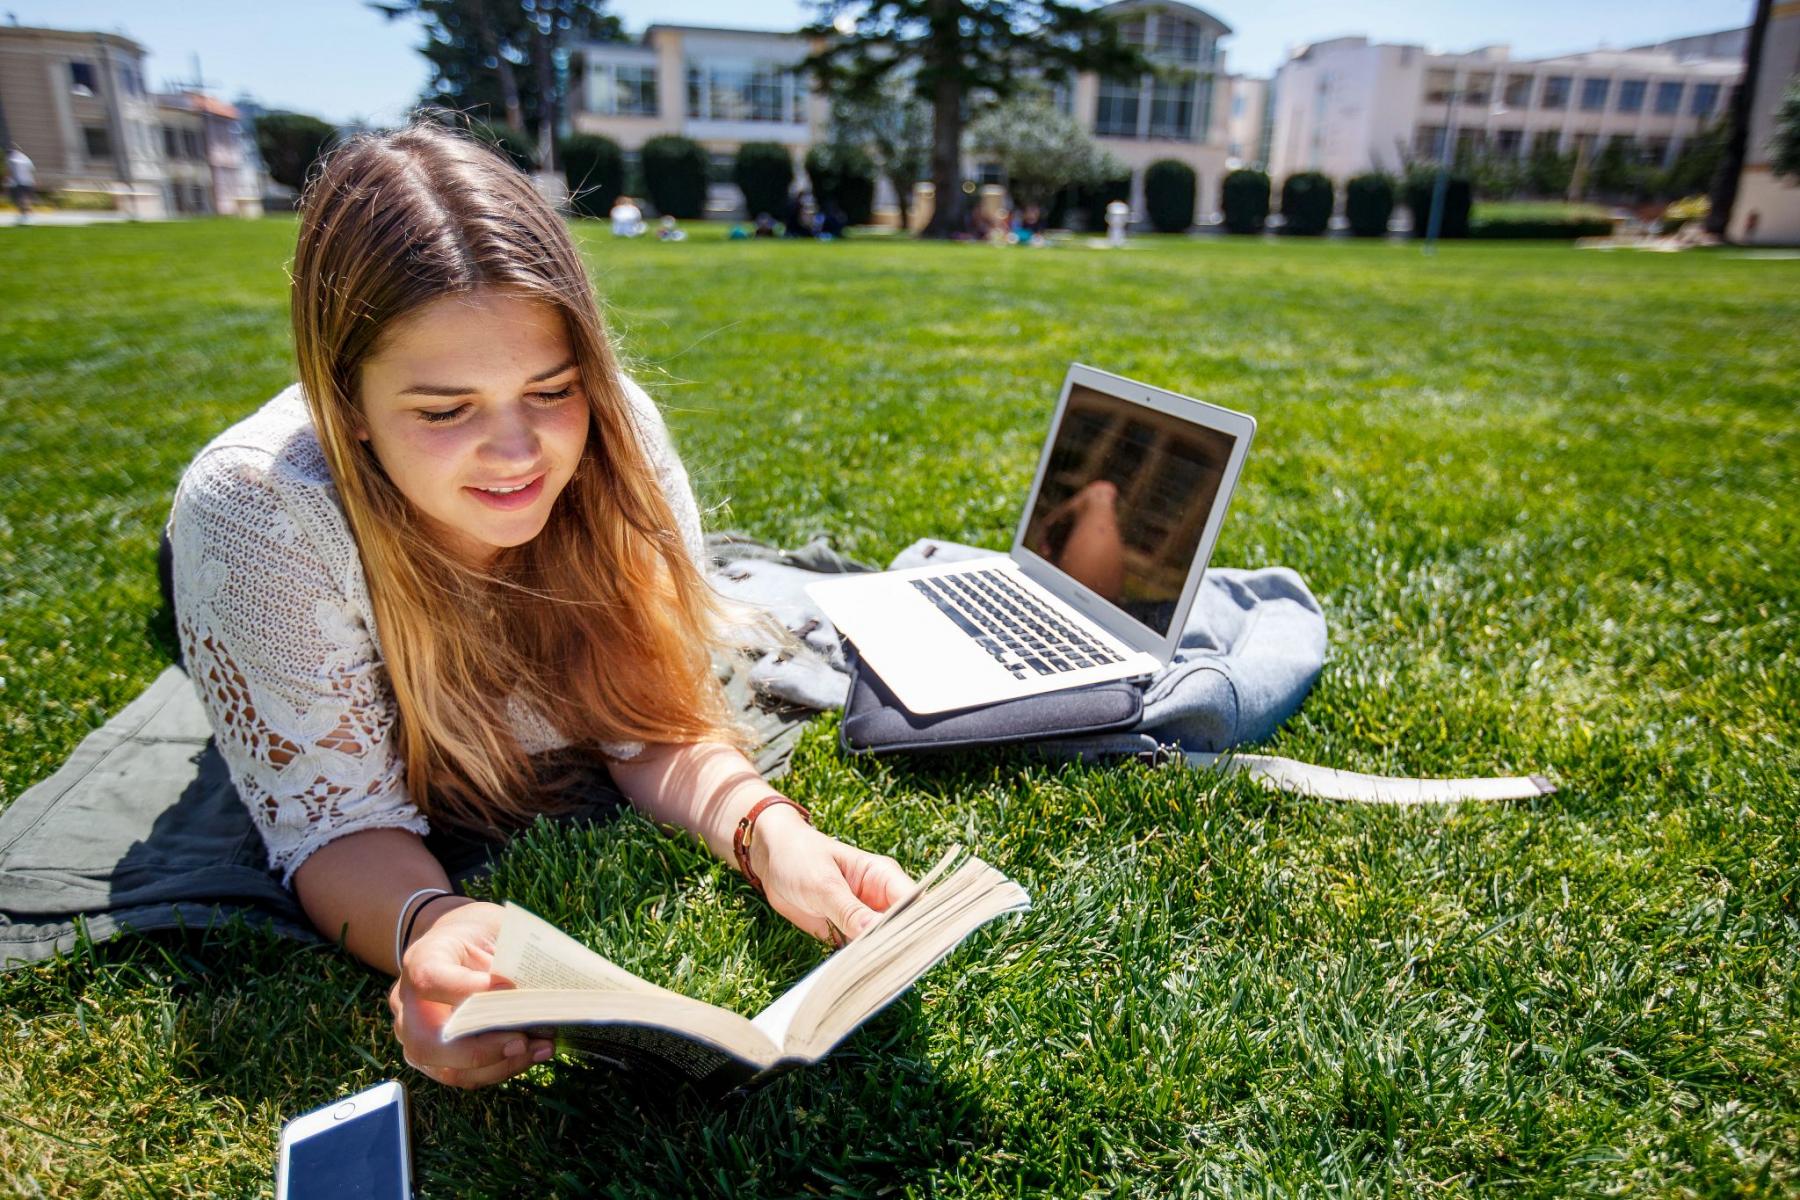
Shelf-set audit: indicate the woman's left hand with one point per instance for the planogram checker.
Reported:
(831, 890)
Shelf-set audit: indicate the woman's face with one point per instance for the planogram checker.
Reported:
(474, 408)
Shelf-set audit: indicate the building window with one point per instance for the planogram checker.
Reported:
(1176, 39)
(1631, 95)
(1656, 152)
(622, 89)
(1593, 94)
(745, 91)
(1546, 141)
(1668, 98)
(96, 141)
(1518, 91)
(1706, 96)
(1556, 91)
(191, 145)
(1116, 113)
(1062, 98)
(1429, 142)
(1508, 142)
(1476, 89)
(1172, 109)
(83, 79)
(1439, 83)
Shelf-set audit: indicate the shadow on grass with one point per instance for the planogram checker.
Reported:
(242, 1020)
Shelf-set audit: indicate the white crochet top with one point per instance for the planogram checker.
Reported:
(279, 635)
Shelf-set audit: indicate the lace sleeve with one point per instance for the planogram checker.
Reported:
(288, 671)
(654, 433)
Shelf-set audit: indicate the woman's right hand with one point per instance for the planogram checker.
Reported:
(448, 961)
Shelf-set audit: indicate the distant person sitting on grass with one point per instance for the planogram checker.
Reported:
(627, 217)
(669, 231)
(458, 557)
(21, 181)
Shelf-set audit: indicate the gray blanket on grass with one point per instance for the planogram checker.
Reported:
(141, 829)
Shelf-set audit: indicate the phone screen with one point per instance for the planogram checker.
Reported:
(361, 1156)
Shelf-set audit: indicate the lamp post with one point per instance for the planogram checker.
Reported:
(1441, 186)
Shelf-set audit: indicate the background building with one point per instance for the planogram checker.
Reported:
(725, 87)
(1247, 125)
(1178, 111)
(75, 102)
(720, 87)
(205, 167)
(1347, 106)
(1767, 211)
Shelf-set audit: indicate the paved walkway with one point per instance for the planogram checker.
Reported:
(51, 216)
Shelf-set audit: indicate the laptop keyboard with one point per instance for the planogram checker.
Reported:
(1020, 633)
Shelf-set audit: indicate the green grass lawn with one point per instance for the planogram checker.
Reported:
(1547, 497)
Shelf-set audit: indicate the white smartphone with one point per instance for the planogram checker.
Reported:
(354, 1147)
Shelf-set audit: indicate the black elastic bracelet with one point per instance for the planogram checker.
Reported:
(406, 934)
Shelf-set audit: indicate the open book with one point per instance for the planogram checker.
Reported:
(593, 1006)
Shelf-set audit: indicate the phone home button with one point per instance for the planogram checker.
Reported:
(342, 1111)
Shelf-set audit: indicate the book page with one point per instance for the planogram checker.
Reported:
(533, 953)
(932, 926)
(776, 1019)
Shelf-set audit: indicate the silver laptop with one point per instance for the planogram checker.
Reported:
(1131, 489)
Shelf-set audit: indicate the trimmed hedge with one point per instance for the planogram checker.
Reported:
(843, 177)
(675, 170)
(763, 171)
(1459, 196)
(1245, 200)
(1558, 221)
(1170, 189)
(595, 167)
(1307, 199)
(1369, 203)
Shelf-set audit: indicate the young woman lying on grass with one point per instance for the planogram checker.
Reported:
(462, 541)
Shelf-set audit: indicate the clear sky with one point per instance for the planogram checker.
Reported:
(339, 59)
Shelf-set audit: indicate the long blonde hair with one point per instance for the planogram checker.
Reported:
(601, 622)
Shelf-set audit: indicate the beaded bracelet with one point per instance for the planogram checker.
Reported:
(740, 840)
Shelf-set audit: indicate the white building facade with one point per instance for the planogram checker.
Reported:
(720, 87)
(75, 102)
(725, 87)
(1180, 110)
(1247, 125)
(1347, 106)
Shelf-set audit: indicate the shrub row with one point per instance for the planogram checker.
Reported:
(1565, 222)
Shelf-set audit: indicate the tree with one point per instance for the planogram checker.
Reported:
(1697, 162)
(1784, 143)
(676, 170)
(596, 171)
(1548, 172)
(892, 127)
(958, 55)
(1040, 148)
(1170, 187)
(843, 176)
(290, 143)
(497, 59)
(1615, 175)
(763, 171)
(1737, 120)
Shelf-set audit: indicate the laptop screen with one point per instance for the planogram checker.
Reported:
(1124, 502)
